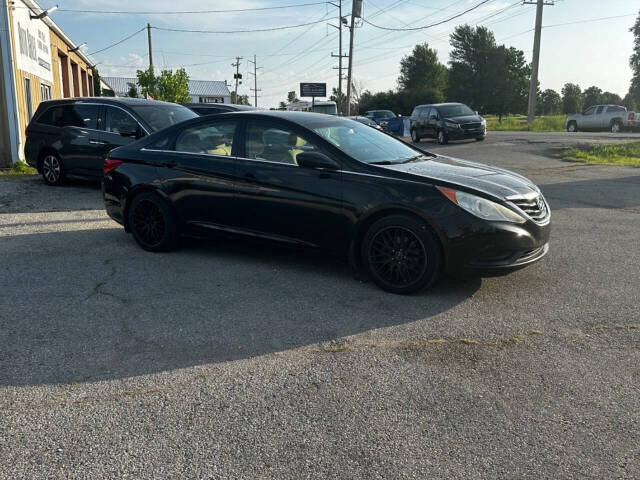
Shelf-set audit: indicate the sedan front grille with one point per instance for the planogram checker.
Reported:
(535, 207)
(470, 126)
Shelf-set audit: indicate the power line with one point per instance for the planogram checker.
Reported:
(119, 42)
(285, 27)
(427, 26)
(184, 12)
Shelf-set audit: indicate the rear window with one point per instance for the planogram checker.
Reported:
(163, 115)
(83, 116)
(51, 116)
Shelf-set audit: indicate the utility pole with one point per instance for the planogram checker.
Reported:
(150, 49)
(340, 55)
(255, 80)
(356, 12)
(237, 76)
(533, 85)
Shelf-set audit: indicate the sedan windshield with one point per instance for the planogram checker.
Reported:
(161, 116)
(364, 143)
(455, 111)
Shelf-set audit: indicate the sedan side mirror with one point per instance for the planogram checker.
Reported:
(316, 160)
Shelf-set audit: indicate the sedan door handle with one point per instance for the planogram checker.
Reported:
(97, 142)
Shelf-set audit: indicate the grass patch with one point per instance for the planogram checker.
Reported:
(622, 154)
(19, 169)
(518, 123)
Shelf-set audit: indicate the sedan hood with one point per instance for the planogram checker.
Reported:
(493, 181)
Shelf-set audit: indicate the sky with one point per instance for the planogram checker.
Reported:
(587, 53)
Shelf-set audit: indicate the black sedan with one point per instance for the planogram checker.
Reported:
(402, 215)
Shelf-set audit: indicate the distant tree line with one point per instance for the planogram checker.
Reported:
(490, 78)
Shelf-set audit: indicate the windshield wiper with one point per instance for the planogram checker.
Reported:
(382, 162)
(414, 159)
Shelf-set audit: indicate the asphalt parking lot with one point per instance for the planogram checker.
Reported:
(232, 359)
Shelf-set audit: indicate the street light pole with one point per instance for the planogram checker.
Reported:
(533, 82)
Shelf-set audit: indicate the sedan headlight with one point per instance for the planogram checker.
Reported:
(481, 207)
(452, 125)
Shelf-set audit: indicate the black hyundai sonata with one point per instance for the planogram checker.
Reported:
(402, 215)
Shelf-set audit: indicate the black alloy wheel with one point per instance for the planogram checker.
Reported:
(152, 223)
(401, 254)
(442, 137)
(52, 169)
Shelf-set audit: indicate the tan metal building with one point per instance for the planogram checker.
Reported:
(39, 62)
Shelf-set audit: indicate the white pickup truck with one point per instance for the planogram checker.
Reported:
(613, 118)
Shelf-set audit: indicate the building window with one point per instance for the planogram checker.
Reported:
(45, 92)
(211, 100)
(27, 90)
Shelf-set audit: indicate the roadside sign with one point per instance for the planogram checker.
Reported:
(313, 90)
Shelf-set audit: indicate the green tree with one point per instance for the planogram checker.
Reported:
(634, 63)
(133, 91)
(509, 78)
(550, 103)
(609, 98)
(282, 106)
(487, 77)
(148, 82)
(571, 98)
(241, 100)
(422, 69)
(97, 89)
(291, 97)
(592, 96)
(174, 87)
(168, 87)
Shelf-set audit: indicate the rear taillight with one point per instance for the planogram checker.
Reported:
(110, 164)
(631, 116)
(26, 133)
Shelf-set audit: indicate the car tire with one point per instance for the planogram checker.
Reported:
(152, 223)
(401, 254)
(572, 127)
(52, 169)
(442, 137)
(415, 138)
(616, 126)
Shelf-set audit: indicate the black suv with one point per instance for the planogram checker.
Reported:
(213, 108)
(72, 137)
(446, 121)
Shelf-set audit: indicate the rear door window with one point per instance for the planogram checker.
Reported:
(118, 121)
(208, 138)
(83, 116)
(599, 110)
(265, 142)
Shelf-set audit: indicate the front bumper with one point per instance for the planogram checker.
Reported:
(461, 134)
(489, 249)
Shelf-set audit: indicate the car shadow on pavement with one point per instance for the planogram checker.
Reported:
(91, 305)
(611, 193)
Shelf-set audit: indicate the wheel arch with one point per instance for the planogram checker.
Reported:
(45, 151)
(373, 216)
(137, 190)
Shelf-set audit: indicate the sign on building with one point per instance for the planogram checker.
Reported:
(313, 89)
(33, 46)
